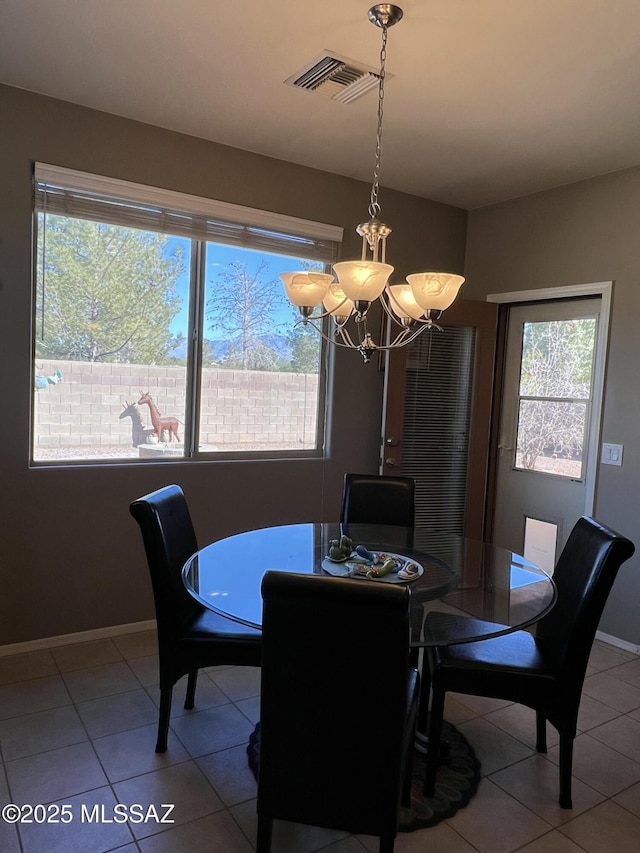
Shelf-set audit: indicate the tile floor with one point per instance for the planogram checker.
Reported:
(78, 724)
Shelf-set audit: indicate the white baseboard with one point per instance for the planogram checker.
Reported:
(80, 637)
(618, 643)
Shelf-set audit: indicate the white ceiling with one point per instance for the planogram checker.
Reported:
(489, 100)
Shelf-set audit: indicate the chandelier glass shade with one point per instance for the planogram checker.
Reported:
(411, 306)
(337, 304)
(306, 289)
(362, 281)
(435, 291)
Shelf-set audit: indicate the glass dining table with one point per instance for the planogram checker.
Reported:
(494, 590)
(461, 590)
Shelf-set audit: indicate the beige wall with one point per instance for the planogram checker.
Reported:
(582, 233)
(71, 554)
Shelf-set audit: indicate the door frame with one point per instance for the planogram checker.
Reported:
(604, 289)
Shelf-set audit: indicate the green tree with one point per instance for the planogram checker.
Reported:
(260, 356)
(305, 341)
(305, 348)
(106, 293)
(208, 354)
(243, 305)
(555, 379)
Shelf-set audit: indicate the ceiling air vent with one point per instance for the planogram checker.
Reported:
(335, 77)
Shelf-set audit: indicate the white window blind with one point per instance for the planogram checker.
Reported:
(66, 192)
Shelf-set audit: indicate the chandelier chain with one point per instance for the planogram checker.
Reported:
(374, 206)
(408, 308)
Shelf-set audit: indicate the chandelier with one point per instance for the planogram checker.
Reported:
(412, 306)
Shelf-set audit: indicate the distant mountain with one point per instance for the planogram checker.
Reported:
(220, 348)
(179, 351)
(278, 343)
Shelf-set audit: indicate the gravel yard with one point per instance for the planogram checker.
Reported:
(115, 451)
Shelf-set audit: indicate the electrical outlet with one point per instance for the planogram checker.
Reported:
(611, 454)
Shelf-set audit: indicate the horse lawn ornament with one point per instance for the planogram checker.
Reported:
(160, 424)
(139, 433)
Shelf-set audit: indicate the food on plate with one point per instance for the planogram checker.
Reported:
(380, 571)
(409, 571)
(361, 551)
(340, 549)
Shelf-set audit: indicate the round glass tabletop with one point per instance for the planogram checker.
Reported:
(465, 589)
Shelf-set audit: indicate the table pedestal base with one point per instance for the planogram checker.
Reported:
(457, 780)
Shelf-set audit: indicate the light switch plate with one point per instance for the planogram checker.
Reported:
(611, 454)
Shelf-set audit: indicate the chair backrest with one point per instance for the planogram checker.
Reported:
(374, 499)
(169, 540)
(584, 575)
(335, 675)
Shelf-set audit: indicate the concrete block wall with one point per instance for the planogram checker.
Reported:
(255, 407)
(238, 408)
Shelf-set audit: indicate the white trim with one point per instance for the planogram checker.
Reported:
(618, 643)
(130, 191)
(603, 287)
(605, 290)
(80, 637)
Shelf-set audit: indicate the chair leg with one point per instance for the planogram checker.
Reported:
(263, 842)
(433, 746)
(190, 698)
(163, 721)
(425, 689)
(405, 796)
(387, 843)
(541, 732)
(566, 763)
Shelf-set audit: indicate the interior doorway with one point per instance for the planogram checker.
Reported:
(437, 418)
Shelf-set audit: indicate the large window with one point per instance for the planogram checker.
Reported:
(161, 326)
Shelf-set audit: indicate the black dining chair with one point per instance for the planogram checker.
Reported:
(189, 635)
(544, 671)
(374, 499)
(337, 707)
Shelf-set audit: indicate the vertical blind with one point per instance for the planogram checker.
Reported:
(437, 418)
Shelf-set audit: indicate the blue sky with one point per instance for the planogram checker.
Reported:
(218, 257)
